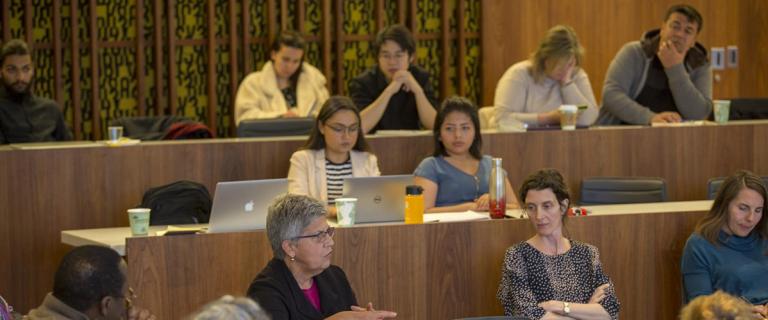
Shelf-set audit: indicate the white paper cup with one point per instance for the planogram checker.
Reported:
(722, 109)
(345, 211)
(139, 219)
(568, 115)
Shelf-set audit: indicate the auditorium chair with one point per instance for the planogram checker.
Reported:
(275, 127)
(619, 190)
(713, 185)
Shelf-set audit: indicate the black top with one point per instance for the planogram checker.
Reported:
(530, 277)
(277, 291)
(401, 111)
(28, 118)
(289, 93)
(656, 94)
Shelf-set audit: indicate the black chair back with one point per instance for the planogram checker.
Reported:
(714, 184)
(275, 127)
(619, 190)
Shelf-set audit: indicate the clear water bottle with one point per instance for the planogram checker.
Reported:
(497, 202)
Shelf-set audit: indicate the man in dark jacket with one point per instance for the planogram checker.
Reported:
(25, 117)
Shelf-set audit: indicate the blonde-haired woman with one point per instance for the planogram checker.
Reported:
(531, 91)
(717, 306)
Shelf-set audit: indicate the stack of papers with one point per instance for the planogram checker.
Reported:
(683, 124)
(122, 142)
(175, 230)
(468, 215)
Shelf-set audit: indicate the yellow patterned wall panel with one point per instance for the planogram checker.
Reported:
(117, 63)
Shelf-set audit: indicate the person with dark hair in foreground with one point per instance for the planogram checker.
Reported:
(90, 284)
(300, 282)
(394, 94)
(728, 251)
(25, 117)
(550, 276)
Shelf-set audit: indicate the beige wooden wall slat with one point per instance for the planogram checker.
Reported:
(512, 29)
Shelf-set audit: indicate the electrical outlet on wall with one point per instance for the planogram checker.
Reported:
(732, 57)
(718, 58)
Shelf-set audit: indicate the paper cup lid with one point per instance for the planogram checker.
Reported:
(568, 108)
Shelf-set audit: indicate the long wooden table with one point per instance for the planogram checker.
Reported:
(44, 191)
(429, 271)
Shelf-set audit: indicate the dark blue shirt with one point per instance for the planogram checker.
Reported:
(738, 266)
(453, 185)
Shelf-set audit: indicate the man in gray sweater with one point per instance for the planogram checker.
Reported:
(664, 77)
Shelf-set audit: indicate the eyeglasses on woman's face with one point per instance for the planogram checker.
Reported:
(320, 236)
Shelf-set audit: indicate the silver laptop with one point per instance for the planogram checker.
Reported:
(379, 199)
(242, 205)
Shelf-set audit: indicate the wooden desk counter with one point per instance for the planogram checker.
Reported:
(429, 271)
(46, 190)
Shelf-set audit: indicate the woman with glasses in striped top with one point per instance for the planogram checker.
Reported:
(336, 149)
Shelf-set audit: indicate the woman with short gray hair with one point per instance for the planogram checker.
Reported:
(300, 282)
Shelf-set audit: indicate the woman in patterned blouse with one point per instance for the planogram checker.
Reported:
(550, 276)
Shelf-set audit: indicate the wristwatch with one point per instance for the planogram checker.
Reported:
(566, 308)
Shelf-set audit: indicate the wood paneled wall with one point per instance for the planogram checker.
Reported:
(428, 271)
(43, 192)
(513, 29)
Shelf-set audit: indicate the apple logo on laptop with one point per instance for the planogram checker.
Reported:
(249, 206)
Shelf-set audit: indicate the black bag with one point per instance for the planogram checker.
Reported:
(181, 202)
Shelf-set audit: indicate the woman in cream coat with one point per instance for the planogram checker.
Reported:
(285, 87)
(336, 149)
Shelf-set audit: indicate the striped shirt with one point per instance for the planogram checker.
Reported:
(335, 174)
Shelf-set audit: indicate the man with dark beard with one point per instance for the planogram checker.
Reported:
(25, 117)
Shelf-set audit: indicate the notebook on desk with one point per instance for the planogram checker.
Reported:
(54, 145)
(379, 199)
(242, 205)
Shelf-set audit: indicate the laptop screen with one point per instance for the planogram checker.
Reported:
(379, 199)
(242, 205)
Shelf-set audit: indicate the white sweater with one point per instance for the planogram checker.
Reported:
(519, 97)
(259, 97)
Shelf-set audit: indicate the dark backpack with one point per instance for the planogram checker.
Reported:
(181, 202)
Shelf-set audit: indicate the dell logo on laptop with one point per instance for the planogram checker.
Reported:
(377, 199)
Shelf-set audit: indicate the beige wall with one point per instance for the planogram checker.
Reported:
(511, 31)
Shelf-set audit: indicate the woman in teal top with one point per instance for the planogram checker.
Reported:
(729, 249)
(455, 177)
